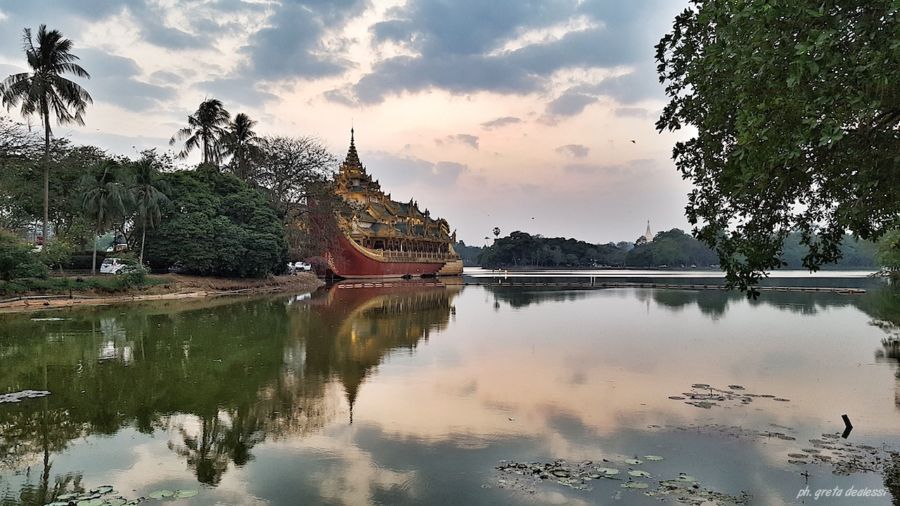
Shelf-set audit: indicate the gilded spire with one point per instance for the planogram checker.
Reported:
(352, 160)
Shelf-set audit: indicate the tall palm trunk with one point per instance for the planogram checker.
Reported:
(46, 174)
(143, 237)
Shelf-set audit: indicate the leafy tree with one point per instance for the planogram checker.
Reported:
(148, 197)
(242, 144)
(293, 172)
(672, 248)
(797, 115)
(215, 224)
(44, 90)
(104, 201)
(56, 254)
(888, 251)
(290, 168)
(204, 131)
(17, 260)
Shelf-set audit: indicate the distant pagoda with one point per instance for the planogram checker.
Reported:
(385, 238)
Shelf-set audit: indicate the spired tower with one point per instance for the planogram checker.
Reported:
(648, 235)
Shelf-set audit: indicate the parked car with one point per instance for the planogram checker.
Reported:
(295, 267)
(116, 266)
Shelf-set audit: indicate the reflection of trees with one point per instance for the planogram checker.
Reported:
(892, 477)
(223, 376)
(712, 303)
(518, 297)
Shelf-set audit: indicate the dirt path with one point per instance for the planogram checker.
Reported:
(169, 287)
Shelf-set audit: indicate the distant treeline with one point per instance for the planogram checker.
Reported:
(673, 248)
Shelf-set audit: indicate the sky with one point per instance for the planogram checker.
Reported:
(519, 114)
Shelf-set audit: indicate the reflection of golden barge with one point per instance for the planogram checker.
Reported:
(382, 238)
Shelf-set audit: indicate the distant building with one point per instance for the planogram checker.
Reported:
(647, 237)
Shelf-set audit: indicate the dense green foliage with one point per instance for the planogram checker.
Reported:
(673, 248)
(215, 224)
(17, 259)
(797, 115)
(888, 251)
(855, 254)
(468, 254)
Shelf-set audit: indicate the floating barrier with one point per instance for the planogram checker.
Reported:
(666, 286)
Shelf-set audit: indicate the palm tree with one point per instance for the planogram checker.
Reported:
(148, 195)
(44, 91)
(103, 201)
(241, 143)
(204, 130)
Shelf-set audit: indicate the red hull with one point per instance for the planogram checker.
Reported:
(350, 262)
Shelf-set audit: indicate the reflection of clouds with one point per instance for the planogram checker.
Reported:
(616, 369)
(359, 477)
(153, 467)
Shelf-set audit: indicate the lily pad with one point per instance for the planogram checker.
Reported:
(184, 494)
(90, 502)
(161, 494)
(635, 484)
(639, 474)
(115, 501)
(608, 471)
(633, 462)
(66, 497)
(655, 458)
(686, 478)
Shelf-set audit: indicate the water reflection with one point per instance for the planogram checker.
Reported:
(350, 396)
(219, 376)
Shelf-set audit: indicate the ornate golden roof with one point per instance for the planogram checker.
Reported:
(374, 214)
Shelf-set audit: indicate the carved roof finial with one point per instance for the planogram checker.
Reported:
(352, 161)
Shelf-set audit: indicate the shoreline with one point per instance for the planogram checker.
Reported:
(173, 287)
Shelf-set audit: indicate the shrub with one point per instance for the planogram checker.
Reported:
(17, 260)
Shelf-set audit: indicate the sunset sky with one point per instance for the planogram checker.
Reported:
(518, 114)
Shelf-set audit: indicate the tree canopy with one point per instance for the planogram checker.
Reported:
(215, 224)
(797, 115)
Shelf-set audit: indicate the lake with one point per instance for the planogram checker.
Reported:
(442, 393)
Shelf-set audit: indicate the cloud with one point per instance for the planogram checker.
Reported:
(500, 122)
(641, 165)
(240, 90)
(573, 150)
(397, 171)
(569, 104)
(166, 77)
(469, 140)
(459, 46)
(114, 80)
(635, 112)
(339, 96)
(292, 46)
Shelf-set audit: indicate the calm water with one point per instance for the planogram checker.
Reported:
(416, 393)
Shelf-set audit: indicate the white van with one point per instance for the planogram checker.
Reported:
(113, 266)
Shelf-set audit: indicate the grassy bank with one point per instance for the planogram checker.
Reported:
(66, 291)
(81, 284)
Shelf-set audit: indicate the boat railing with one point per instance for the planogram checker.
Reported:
(416, 256)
